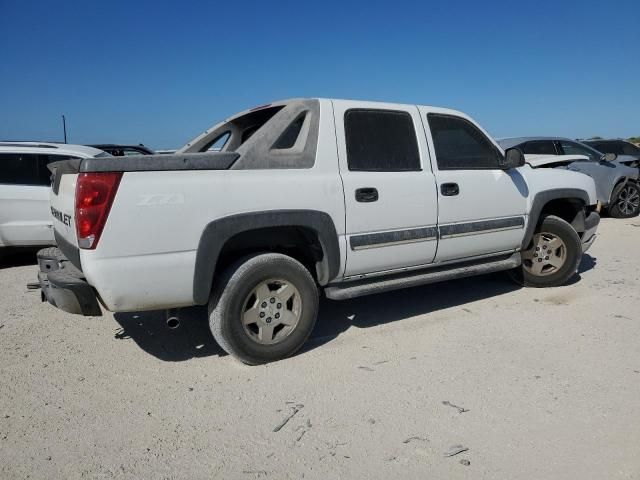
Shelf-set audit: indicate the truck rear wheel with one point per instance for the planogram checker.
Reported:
(263, 308)
(553, 255)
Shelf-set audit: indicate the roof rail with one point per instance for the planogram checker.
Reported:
(27, 144)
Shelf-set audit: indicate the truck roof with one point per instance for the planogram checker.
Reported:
(291, 100)
(233, 131)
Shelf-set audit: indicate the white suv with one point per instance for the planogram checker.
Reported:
(25, 215)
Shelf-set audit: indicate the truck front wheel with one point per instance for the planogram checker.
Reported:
(263, 308)
(553, 255)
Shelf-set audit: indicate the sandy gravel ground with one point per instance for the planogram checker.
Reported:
(547, 381)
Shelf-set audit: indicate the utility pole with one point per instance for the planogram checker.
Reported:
(64, 126)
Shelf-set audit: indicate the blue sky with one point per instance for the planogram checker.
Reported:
(161, 72)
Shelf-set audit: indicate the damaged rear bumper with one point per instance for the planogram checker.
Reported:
(64, 286)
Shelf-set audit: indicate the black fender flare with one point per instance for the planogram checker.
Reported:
(541, 199)
(218, 232)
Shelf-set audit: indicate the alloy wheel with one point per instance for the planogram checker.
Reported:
(271, 311)
(546, 256)
(628, 200)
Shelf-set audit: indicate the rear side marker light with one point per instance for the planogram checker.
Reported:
(94, 196)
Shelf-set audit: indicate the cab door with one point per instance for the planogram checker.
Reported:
(389, 188)
(482, 208)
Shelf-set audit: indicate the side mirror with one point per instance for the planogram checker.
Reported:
(513, 158)
(609, 157)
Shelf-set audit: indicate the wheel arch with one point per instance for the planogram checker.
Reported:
(566, 203)
(315, 226)
(619, 182)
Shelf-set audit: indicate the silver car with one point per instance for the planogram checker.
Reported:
(616, 177)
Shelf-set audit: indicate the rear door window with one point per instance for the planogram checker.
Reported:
(540, 147)
(630, 149)
(19, 169)
(610, 147)
(381, 141)
(27, 168)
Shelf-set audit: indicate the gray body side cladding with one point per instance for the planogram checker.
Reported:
(62, 167)
(359, 288)
(480, 226)
(258, 153)
(142, 163)
(397, 236)
(71, 252)
(541, 199)
(158, 163)
(218, 232)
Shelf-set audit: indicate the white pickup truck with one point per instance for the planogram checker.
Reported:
(264, 210)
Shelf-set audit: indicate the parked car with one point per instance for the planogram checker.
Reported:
(619, 147)
(616, 181)
(302, 196)
(25, 214)
(565, 146)
(124, 150)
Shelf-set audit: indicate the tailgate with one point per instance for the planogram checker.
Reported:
(62, 202)
(65, 177)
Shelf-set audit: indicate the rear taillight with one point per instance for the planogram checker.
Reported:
(94, 195)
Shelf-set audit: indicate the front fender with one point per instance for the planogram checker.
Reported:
(543, 198)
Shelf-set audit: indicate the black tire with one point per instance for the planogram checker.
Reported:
(621, 193)
(227, 304)
(566, 233)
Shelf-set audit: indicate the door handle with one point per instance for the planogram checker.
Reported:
(449, 189)
(366, 195)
